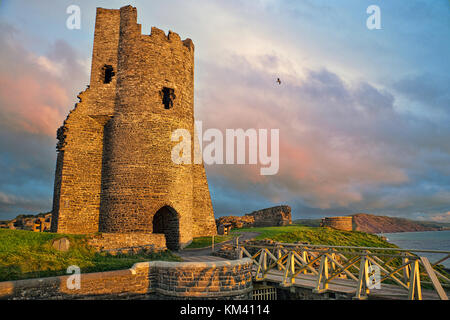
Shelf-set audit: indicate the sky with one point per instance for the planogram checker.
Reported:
(363, 114)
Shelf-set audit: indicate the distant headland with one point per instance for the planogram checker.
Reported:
(371, 223)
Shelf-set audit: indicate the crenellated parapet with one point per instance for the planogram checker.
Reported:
(172, 38)
(130, 28)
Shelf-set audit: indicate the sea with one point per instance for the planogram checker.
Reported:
(428, 240)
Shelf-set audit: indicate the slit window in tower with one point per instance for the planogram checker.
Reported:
(168, 95)
(108, 73)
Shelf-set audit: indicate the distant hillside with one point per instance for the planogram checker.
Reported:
(321, 236)
(308, 222)
(382, 224)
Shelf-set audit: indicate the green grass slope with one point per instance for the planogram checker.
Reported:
(204, 242)
(317, 235)
(27, 254)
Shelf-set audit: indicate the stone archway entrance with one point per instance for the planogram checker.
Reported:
(166, 221)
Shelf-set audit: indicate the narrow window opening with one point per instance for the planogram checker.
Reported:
(168, 95)
(108, 73)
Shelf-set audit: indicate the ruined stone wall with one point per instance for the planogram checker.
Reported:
(78, 176)
(37, 223)
(167, 280)
(275, 216)
(237, 222)
(76, 201)
(339, 223)
(114, 168)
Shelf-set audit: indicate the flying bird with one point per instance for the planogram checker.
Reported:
(278, 81)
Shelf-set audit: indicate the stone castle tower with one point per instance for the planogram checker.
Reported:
(114, 172)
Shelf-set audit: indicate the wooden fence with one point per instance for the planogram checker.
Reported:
(363, 268)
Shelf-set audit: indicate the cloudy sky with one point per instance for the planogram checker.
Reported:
(363, 114)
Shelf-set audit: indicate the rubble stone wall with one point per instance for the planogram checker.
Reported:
(111, 241)
(275, 216)
(270, 217)
(158, 280)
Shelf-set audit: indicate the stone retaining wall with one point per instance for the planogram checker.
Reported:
(111, 241)
(154, 280)
(227, 251)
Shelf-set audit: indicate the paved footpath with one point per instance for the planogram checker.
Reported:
(205, 254)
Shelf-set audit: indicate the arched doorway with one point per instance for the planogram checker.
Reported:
(166, 221)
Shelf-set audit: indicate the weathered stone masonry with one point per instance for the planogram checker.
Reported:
(114, 172)
(153, 280)
(340, 223)
(274, 216)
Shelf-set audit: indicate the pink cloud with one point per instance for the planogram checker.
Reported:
(34, 105)
(37, 93)
(323, 160)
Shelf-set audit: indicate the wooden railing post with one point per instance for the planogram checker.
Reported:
(322, 277)
(333, 265)
(406, 270)
(434, 280)
(264, 257)
(305, 258)
(262, 265)
(415, 289)
(239, 251)
(289, 272)
(362, 290)
(291, 267)
(278, 255)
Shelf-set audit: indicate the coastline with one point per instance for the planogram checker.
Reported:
(423, 240)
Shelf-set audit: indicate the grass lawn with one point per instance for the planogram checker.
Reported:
(204, 242)
(27, 254)
(318, 235)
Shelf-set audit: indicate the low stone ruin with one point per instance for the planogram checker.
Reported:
(275, 216)
(228, 251)
(270, 217)
(236, 222)
(339, 223)
(36, 223)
